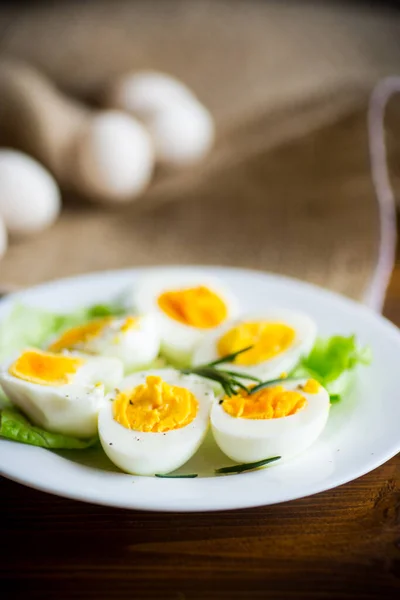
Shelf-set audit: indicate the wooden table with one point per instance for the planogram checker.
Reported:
(343, 543)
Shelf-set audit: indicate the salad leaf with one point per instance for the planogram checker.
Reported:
(104, 310)
(14, 426)
(332, 362)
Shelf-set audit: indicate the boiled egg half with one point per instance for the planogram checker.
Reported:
(186, 306)
(156, 422)
(278, 339)
(134, 340)
(279, 420)
(60, 392)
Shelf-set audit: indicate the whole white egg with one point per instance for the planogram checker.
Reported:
(146, 93)
(181, 128)
(183, 134)
(61, 393)
(29, 195)
(115, 157)
(156, 421)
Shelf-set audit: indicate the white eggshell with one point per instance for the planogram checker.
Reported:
(116, 157)
(29, 196)
(147, 92)
(182, 135)
(3, 238)
(182, 129)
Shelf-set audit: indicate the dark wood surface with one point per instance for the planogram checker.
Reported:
(340, 544)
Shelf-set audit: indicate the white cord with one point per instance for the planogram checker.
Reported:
(380, 96)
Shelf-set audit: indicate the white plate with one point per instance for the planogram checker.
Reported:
(362, 433)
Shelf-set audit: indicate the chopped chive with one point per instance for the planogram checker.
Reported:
(229, 380)
(243, 375)
(241, 386)
(167, 476)
(334, 398)
(246, 466)
(229, 357)
(270, 383)
(228, 390)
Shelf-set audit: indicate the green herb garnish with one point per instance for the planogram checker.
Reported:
(246, 466)
(334, 398)
(15, 426)
(167, 476)
(229, 380)
(332, 362)
(265, 384)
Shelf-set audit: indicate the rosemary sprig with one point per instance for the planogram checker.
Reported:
(229, 380)
(167, 476)
(246, 466)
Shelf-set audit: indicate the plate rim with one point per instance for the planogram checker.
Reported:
(390, 329)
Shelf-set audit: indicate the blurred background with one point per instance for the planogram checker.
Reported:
(194, 131)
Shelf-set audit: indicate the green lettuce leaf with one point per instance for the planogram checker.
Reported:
(332, 362)
(14, 426)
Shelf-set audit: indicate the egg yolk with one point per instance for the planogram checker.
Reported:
(45, 368)
(267, 340)
(269, 403)
(155, 406)
(79, 335)
(129, 323)
(197, 307)
(311, 387)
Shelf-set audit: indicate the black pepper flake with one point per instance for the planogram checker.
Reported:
(110, 443)
(130, 402)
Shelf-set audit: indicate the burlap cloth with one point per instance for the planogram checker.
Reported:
(287, 188)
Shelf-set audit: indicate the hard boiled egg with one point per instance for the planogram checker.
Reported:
(156, 422)
(134, 340)
(280, 420)
(186, 306)
(278, 338)
(60, 392)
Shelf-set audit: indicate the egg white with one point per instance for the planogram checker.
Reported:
(305, 335)
(251, 440)
(136, 347)
(72, 408)
(148, 453)
(178, 340)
